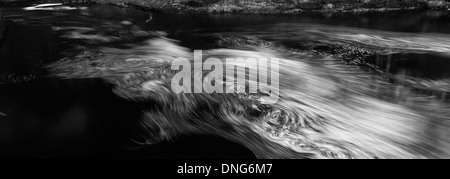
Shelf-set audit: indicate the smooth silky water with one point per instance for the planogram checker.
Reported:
(95, 82)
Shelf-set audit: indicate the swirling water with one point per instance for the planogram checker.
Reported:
(348, 88)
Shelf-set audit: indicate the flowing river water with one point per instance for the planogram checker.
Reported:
(85, 81)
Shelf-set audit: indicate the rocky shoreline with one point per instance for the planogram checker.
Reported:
(257, 6)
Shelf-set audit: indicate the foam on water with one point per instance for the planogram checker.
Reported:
(381, 41)
(327, 109)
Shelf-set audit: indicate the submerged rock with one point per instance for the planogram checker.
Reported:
(126, 23)
(328, 6)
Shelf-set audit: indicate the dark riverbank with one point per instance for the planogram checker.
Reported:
(258, 6)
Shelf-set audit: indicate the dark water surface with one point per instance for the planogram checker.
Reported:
(46, 116)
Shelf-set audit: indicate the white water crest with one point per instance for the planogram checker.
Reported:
(49, 7)
(377, 40)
